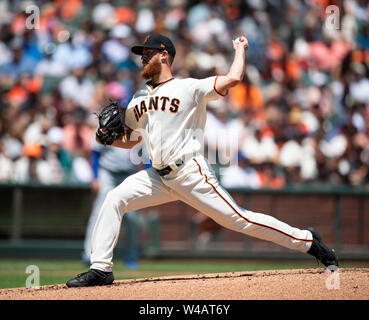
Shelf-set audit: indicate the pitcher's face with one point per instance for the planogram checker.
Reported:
(151, 63)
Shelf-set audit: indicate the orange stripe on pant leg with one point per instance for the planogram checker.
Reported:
(241, 216)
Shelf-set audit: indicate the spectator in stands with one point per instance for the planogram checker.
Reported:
(59, 160)
(77, 133)
(241, 175)
(77, 141)
(77, 87)
(6, 164)
(32, 167)
(20, 62)
(49, 66)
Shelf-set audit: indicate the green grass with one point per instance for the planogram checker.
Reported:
(13, 272)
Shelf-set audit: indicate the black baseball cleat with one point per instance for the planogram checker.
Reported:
(320, 251)
(92, 277)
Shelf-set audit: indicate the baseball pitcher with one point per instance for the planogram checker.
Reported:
(169, 114)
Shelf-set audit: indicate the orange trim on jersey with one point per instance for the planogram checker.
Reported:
(241, 216)
(215, 89)
(150, 85)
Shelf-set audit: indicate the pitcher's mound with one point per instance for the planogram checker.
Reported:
(305, 284)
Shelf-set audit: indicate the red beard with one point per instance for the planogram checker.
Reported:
(151, 69)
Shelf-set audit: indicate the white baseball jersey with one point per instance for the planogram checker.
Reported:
(171, 117)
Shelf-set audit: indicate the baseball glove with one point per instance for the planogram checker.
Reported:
(110, 124)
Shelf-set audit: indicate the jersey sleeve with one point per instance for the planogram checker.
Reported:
(129, 119)
(204, 89)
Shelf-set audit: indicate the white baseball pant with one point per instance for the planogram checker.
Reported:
(195, 184)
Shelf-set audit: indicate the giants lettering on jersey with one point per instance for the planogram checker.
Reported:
(156, 103)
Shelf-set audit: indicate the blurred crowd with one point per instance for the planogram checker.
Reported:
(301, 114)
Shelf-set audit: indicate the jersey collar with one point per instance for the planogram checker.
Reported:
(159, 85)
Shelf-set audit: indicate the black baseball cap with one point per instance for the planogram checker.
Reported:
(156, 41)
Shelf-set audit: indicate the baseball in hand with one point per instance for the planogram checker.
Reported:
(241, 40)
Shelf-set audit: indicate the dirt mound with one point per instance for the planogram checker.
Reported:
(306, 284)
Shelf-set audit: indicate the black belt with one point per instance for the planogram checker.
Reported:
(163, 172)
